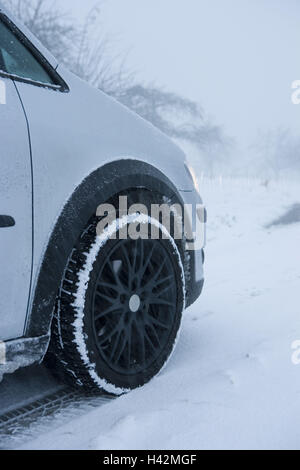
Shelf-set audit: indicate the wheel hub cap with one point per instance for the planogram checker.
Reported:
(134, 303)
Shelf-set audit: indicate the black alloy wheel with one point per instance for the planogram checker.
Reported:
(118, 317)
(135, 299)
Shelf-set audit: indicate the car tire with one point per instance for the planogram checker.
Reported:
(119, 309)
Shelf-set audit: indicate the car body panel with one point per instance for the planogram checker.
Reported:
(16, 202)
(193, 200)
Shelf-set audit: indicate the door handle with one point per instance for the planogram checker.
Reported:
(6, 221)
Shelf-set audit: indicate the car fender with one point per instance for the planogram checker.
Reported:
(97, 188)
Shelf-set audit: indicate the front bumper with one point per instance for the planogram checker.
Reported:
(195, 247)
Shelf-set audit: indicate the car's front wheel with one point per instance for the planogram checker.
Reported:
(119, 309)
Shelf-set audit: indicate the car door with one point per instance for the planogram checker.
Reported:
(20, 64)
(15, 211)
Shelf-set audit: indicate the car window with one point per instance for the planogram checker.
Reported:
(16, 59)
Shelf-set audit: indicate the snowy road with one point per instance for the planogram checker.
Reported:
(231, 383)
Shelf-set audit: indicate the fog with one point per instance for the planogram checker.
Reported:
(238, 58)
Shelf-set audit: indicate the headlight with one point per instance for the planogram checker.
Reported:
(193, 176)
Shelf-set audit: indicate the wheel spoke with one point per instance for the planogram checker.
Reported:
(116, 276)
(126, 256)
(141, 343)
(158, 273)
(142, 253)
(105, 297)
(123, 346)
(155, 300)
(154, 332)
(129, 346)
(108, 285)
(112, 309)
(154, 279)
(134, 257)
(115, 345)
(149, 340)
(163, 280)
(148, 259)
(110, 334)
(157, 322)
(164, 291)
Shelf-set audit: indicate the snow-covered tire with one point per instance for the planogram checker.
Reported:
(141, 285)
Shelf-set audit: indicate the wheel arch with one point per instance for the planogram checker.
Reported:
(100, 186)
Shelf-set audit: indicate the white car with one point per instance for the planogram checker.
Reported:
(104, 310)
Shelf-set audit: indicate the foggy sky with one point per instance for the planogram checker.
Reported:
(237, 58)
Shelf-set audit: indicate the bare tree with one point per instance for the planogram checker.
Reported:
(278, 151)
(176, 116)
(88, 54)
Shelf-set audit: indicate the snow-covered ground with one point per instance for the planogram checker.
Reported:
(231, 383)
